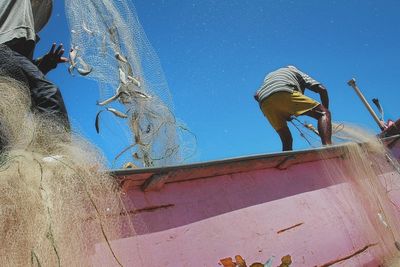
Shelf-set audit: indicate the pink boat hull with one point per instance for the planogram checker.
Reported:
(256, 207)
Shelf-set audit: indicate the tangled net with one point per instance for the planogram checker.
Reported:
(372, 175)
(110, 47)
(56, 199)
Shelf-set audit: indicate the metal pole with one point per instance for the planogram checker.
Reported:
(353, 84)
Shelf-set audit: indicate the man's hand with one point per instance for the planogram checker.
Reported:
(256, 97)
(51, 59)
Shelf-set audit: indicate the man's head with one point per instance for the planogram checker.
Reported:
(41, 13)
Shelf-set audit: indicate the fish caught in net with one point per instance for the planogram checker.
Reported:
(109, 46)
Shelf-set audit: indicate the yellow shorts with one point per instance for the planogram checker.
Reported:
(279, 106)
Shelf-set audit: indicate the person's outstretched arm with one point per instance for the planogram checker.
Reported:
(313, 85)
(50, 61)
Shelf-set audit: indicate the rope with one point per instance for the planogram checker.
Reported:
(300, 132)
(307, 126)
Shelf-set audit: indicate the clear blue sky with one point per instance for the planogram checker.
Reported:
(215, 54)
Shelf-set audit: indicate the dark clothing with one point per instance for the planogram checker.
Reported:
(46, 97)
(22, 46)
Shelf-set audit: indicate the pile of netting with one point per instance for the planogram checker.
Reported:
(56, 199)
(372, 175)
(109, 46)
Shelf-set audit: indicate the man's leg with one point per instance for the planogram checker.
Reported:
(323, 115)
(286, 138)
(272, 110)
(8, 69)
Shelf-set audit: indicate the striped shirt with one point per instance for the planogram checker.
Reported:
(284, 79)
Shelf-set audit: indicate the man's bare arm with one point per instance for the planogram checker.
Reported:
(323, 94)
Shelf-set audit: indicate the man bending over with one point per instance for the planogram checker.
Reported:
(281, 96)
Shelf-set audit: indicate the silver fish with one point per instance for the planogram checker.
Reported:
(109, 100)
(72, 59)
(84, 72)
(141, 94)
(117, 113)
(121, 58)
(86, 29)
(134, 80)
(85, 69)
(122, 76)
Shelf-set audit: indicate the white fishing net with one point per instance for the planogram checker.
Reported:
(110, 47)
(372, 173)
(56, 198)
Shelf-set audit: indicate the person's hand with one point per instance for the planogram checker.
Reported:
(256, 97)
(51, 59)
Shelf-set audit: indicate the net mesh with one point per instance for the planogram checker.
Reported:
(110, 47)
(372, 175)
(54, 190)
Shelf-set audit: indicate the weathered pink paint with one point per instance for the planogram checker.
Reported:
(202, 213)
(394, 147)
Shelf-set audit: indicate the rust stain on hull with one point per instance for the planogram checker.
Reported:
(289, 228)
(136, 211)
(349, 256)
(149, 209)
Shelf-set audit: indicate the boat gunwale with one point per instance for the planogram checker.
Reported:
(154, 178)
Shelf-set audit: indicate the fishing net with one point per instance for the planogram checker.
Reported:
(110, 47)
(56, 198)
(371, 173)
